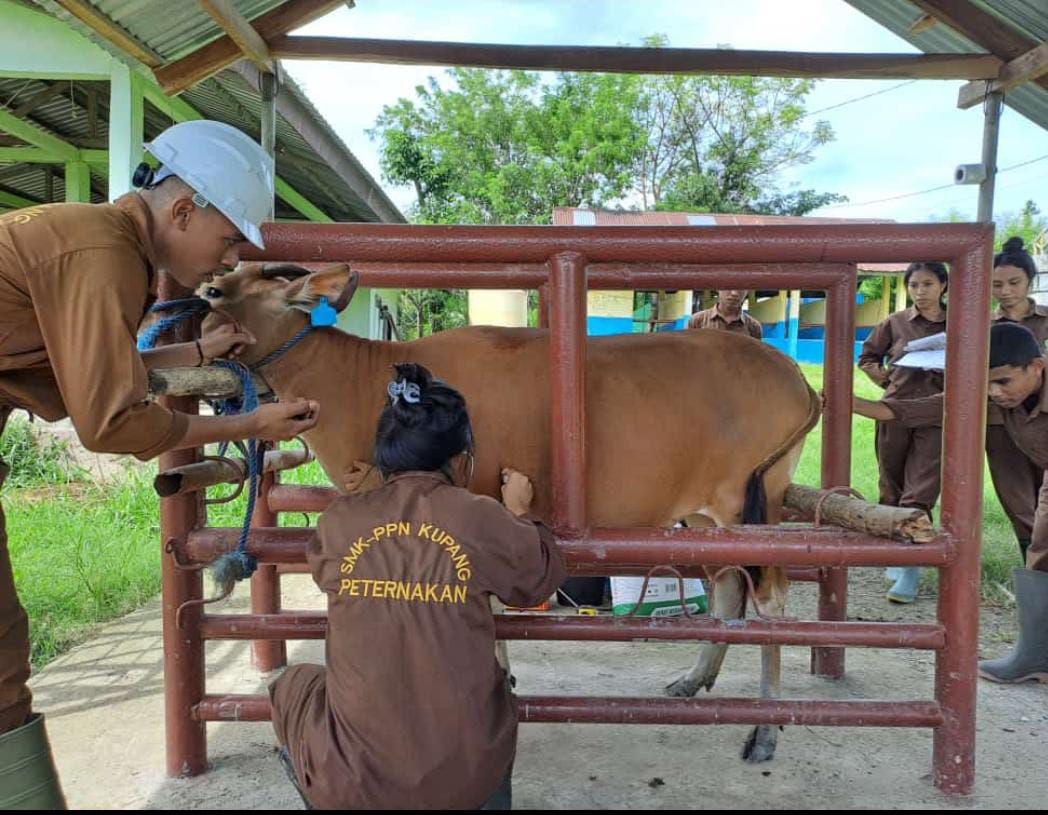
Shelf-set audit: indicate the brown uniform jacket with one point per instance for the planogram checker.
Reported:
(712, 318)
(1036, 320)
(416, 711)
(75, 282)
(1028, 429)
(886, 342)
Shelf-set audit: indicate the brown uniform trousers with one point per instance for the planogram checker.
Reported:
(15, 697)
(909, 459)
(1016, 479)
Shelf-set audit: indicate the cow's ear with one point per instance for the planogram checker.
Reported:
(337, 285)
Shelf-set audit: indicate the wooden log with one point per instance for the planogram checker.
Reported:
(208, 383)
(204, 474)
(901, 523)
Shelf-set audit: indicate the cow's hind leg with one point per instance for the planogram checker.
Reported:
(771, 598)
(728, 603)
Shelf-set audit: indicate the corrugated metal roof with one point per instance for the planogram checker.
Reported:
(172, 30)
(1028, 17)
(575, 216)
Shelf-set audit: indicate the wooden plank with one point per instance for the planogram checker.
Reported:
(639, 60)
(202, 63)
(982, 28)
(1031, 65)
(240, 31)
(110, 31)
(38, 136)
(857, 515)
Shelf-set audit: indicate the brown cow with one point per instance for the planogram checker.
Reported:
(680, 425)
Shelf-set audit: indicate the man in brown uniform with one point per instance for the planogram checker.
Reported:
(412, 710)
(727, 315)
(1018, 390)
(75, 282)
(1016, 479)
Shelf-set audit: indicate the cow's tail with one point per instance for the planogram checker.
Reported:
(755, 507)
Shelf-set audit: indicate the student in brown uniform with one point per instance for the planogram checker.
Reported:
(412, 710)
(727, 315)
(75, 282)
(1018, 390)
(908, 458)
(1016, 479)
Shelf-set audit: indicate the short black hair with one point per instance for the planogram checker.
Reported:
(423, 425)
(1013, 254)
(1013, 344)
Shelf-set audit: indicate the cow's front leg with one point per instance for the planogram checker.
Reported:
(728, 603)
(771, 598)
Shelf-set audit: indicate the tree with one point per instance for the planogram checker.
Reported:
(1029, 224)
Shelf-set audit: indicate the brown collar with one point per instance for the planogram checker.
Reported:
(433, 475)
(1035, 310)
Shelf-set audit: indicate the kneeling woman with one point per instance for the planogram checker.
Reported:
(412, 710)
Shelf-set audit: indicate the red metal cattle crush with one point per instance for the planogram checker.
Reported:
(563, 262)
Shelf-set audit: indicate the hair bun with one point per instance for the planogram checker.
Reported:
(1013, 244)
(410, 372)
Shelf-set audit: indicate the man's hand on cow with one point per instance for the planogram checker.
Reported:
(228, 340)
(282, 421)
(517, 492)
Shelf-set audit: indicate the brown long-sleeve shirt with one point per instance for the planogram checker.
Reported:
(75, 282)
(414, 710)
(712, 318)
(886, 343)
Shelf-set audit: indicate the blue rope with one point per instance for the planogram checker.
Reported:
(238, 564)
(180, 311)
(283, 349)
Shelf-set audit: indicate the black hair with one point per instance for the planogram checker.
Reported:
(1013, 344)
(423, 425)
(1013, 254)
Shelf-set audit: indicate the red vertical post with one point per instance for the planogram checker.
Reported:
(837, 373)
(964, 430)
(186, 739)
(567, 379)
(544, 305)
(266, 655)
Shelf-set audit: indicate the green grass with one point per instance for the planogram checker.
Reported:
(84, 553)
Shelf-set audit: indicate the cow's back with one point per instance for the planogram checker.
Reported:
(674, 419)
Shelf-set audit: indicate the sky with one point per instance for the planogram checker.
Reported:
(907, 139)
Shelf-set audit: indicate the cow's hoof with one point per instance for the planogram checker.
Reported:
(686, 687)
(760, 744)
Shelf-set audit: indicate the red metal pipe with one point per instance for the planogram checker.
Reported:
(266, 655)
(295, 498)
(630, 710)
(617, 276)
(567, 379)
(967, 351)
(837, 377)
(312, 625)
(604, 550)
(824, 243)
(185, 737)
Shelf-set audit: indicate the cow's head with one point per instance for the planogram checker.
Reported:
(272, 301)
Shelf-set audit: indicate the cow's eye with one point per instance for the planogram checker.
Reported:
(212, 293)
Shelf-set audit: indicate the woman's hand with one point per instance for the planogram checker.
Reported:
(282, 421)
(228, 340)
(517, 492)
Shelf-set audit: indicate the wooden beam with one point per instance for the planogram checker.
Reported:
(982, 28)
(300, 203)
(176, 76)
(34, 102)
(721, 61)
(98, 22)
(37, 136)
(240, 31)
(1031, 65)
(10, 199)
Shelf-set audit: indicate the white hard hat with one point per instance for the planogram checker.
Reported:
(223, 164)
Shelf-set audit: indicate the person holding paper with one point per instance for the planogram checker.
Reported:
(1016, 478)
(908, 458)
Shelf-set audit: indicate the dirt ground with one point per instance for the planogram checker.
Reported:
(104, 706)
